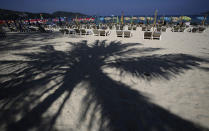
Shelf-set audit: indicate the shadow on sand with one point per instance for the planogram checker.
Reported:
(124, 108)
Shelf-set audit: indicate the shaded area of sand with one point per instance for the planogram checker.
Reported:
(51, 82)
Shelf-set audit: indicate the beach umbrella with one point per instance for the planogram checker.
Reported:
(114, 19)
(134, 18)
(150, 18)
(155, 19)
(76, 19)
(142, 18)
(107, 18)
(101, 18)
(175, 19)
(186, 18)
(200, 18)
(167, 19)
(117, 20)
(127, 18)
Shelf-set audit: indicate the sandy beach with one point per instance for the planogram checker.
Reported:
(90, 83)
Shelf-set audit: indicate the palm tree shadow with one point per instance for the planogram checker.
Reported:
(123, 107)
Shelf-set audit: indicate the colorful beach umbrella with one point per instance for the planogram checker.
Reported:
(200, 18)
(134, 18)
(142, 18)
(175, 19)
(149, 18)
(117, 20)
(101, 18)
(114, 19)
(186, 18)
(127, 18)
(167, 19)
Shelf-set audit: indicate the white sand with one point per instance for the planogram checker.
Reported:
(183, 91)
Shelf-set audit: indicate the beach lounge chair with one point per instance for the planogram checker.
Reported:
(102, 33)
(159, 29)
(175, 29)
(83, 32)
(156, 35)
(195, 30)
(95, 32)
(144, 28)
(149, 28)
(77, 32)
(147, 35)
(164, 29)
(182, 29)
(121, 27)
(119, 33)
(201, 29)
(127, 34)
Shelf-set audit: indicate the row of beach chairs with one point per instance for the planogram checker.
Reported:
(152, 35)
(124, 34)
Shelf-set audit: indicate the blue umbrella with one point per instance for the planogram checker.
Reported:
(101, 18)
(167, 19)
(200, 18)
